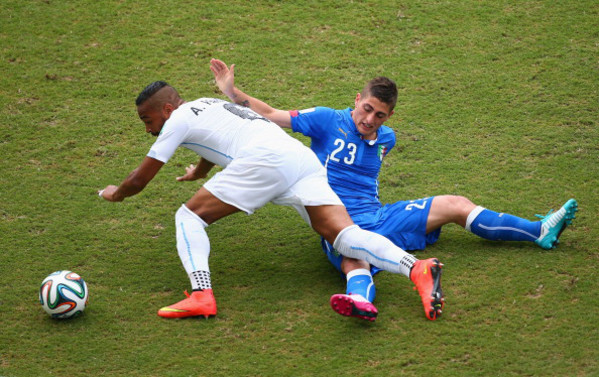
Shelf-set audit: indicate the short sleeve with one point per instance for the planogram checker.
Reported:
(310, 122)
(172, 135)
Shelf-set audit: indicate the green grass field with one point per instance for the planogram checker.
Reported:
(498, 102)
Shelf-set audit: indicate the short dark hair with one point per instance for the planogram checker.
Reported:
(149, 91)
(382, 88)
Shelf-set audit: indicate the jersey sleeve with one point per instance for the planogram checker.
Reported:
(310, 122)
(172, 135)
(392, 140)
(387, 141)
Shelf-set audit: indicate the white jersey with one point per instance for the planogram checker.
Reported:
(262, 162)
(216, 130)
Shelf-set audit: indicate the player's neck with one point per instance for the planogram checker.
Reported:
(371, 136)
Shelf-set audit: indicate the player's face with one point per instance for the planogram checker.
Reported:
(152, 118)
(369, 115)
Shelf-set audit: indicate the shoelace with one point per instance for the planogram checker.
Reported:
(553, 221)
(542, 217)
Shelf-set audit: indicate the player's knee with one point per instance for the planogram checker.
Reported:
(328, 230)
(453, 208)
(329, 221)
(184, 213)
(457, 203)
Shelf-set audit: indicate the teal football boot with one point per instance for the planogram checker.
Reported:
(553, 224)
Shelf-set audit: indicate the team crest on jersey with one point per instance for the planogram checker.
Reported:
(382, 152)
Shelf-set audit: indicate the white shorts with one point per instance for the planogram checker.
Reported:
(287, 174)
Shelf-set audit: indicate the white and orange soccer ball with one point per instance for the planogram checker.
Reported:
(63, 294)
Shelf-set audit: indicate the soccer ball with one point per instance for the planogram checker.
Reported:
(63, 294)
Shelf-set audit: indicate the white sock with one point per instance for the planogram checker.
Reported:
(355, 242)
(358, 271)
(193, 246)
(473, 215)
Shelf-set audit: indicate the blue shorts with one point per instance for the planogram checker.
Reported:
(404, 223)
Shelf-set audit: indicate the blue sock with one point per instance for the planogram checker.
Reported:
(359, 282)
(501, 226)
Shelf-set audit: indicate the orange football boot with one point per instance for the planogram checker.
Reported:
(426, 275)
(199, 303)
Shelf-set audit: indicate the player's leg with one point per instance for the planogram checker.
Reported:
(335, 225)
(446, 209)
(249, 182)
(404, 223)
(496, 226)
(193, 247)
(359, 278)
(313, 198)
(360, 290)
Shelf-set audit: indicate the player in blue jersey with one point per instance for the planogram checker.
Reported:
(351, 144)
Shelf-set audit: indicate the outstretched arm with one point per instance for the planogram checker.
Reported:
(225, 79)
(134, 183)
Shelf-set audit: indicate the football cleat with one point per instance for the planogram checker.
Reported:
(553, 224)
(426, 275)
(199, 303)
(354, 306)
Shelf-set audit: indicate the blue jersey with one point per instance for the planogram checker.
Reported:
(352, 164)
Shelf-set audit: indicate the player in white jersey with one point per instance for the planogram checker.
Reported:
(261, 164)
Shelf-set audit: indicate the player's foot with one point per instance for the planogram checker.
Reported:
(426, 275)
(199, 303)
(354, 306)
(553, 224)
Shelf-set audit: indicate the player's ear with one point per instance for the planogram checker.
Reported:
(167, 110)
(358, 96)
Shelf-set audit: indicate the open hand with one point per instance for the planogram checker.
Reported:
(191, 174)
(224, 77)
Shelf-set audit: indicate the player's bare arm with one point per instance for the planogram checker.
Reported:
(135, 182)
(225, 79)
(198, 171)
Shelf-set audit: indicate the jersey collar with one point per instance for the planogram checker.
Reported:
(354, 129)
